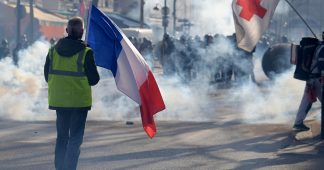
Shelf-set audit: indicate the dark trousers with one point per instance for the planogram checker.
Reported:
(70, 126)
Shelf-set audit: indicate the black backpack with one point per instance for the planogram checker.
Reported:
(305, 54)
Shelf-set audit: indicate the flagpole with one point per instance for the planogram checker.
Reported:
(301, 18)
(88, 21)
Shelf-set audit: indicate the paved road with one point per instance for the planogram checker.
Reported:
(178, 145)
(225, 142)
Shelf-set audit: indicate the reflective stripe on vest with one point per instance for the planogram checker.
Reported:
(79, 72)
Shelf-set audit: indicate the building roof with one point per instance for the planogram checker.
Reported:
(125, 22)
(44, 15)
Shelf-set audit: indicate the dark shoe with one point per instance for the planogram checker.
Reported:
(301, 127)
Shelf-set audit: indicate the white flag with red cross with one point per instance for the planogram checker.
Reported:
(252, 18)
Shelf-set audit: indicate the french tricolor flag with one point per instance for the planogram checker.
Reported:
(113, 51)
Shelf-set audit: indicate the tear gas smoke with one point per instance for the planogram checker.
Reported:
(21, 86)
(276, 103)
(23, 95)
(23, 91)
(212, 17)
(207, 15)
(282, 8)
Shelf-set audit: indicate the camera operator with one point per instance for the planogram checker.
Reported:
(312, 89)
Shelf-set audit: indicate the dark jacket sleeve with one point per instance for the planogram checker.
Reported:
(46, 67)
(90, 69)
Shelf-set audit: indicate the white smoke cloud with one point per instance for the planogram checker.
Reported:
(109, 103)
(209, 16)
(186, 102)
(33, 58)
(23, 91)
(21, 87)
(283, 8)
(277, 102)
(23, 94)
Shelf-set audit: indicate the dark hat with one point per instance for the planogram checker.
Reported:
(4, 42)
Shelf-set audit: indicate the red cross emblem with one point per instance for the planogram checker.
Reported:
(250, 8)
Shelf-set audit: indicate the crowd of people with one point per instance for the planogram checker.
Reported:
(193, 57)
(187, 57)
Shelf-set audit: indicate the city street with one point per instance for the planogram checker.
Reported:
(224, 81)
(178, 145)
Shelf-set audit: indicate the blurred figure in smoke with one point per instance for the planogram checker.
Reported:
(243, 63)
(146, 46)
(261, 47)
(4, 49)
(219, 64)
(185, 57)
(21, 45)
(193, 58)
(15, 54)
(198, 43)
(209, 65)
(223, 64)
(70, 71)
(24, 42)
(284, 39)
(146, 49)
(223, 70)
(134, 41)
(52, 41)
(209, 40)
(166, 58)
(195, 46)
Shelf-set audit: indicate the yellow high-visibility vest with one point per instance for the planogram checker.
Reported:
(68, 85)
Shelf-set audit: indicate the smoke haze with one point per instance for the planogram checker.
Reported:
(212, 17)
(21, 87)
(276, 103)
(24, 95)
(23, 91)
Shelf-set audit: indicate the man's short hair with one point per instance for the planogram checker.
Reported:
(75, 27)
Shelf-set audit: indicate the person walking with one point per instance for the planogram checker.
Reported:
(311, 93)
(70, 71)
(4, 49)
(313, 89)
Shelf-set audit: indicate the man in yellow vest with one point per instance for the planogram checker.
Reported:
(70, 70)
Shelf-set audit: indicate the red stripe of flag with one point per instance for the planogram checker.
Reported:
(151, 103)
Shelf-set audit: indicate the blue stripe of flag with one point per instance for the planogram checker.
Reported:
(104, 38)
